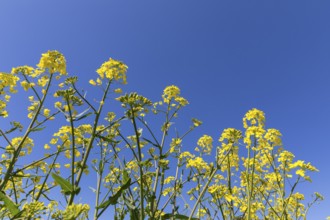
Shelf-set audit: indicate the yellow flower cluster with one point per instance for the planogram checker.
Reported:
(274, 136)
(113, 70)
(33, 209)
(253, 122)
(303, 167)
(285, 158)
(173, 92)
(254, 117)
(25, 70)
(169, 179)
(230, 135)
(6, 81)
(53, 61)
(134, 103)
(229, 139)
(198, 163)
(16, 142)
(76, 211)
(205, 143)
(174, 146)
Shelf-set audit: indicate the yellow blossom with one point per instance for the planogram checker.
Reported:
(170, 92)
(92, 82)
(119, 90)
(53, 61)
(46, 112)
(113, 70)
(174, 144)
(47, 147)
(254, 117)
(205, 143)
(25, 85)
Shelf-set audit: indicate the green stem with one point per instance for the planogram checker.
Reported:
(207, 185)
(89, 147)
(20, 146)
(73, 147)
(140, 165)
(45, 180)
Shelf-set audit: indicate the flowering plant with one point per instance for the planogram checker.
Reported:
(141, 171)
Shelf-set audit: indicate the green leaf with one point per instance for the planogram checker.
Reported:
(107, 139)
(113, 199)
(10, 205)
(176, 216)
(82, 117)
(125, 176)
(37, 129)
(150, 142)
(65, 185)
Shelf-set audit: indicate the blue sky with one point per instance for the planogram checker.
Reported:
(226, 56)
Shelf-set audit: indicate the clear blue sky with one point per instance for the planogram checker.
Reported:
(226, 56)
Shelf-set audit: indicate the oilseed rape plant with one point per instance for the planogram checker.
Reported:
(141, 166)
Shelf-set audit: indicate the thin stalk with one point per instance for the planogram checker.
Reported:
(250, 185)
(291, 192)
(99, 179)
(89, 147)
(140, 166)
(229, 188)
(45, 180)
(28, 131)
(207, 185)
(73, 147)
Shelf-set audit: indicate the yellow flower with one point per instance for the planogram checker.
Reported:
(54, 61)
(77, 153)
(4, 113)
(46, 112)
(92, 82)
(67, 154)
(196, 122)
(170, 92)
(254, 117)
(25, 85)
(182, 101)
(76, 211)
(169, 179)
(47, 147)
(274, 136)
(33, 209)
(119, 90)
(26, 70)
(205, 143)
(197, 163)
(232, 135)
(58, 104)
(99, 81)
(174, 144)
(113, 70)
(43, 81)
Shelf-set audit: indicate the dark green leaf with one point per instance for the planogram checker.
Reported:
(37, 129)
(107, 139)
(125, 176)
(82, 117)
(150, 142)
(113, 199)
(10, 205)
(176, 216)
(65, 185)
